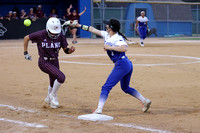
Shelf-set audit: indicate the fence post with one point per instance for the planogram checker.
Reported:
(197, 20)
(167, 19)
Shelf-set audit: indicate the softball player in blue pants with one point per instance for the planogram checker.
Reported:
(116, 46)
(142, 28)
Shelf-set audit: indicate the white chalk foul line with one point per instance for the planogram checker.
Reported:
(138, 127)
(73, 117)
(17, 108)
(148, 55)
(23, 123)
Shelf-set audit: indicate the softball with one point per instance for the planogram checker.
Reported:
(27, 22)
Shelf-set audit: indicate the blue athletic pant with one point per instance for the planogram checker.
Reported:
(122, 72)
(143, 32)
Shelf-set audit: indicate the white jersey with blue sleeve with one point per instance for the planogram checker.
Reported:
(142, 21)
(115, 41)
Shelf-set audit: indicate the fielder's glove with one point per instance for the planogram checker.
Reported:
(74, 23)
(67, 23)
(148, 32)
(27, 56)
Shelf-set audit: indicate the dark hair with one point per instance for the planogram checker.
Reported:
(115, 26)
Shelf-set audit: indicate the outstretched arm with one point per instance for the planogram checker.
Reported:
(82, 12)
(89, 28)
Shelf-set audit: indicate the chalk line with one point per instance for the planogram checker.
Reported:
(73, 117)
(17, 108)
(23, 123)
(138, 127)
(145, 55)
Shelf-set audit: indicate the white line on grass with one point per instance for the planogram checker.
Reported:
(23, 123)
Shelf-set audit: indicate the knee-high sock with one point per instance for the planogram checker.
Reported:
(103, 98)
(56, 87)
(49, 89)
(135, 93)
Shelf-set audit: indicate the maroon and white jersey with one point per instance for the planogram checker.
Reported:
(48, 47)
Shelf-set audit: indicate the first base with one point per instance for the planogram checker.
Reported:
(95, 117)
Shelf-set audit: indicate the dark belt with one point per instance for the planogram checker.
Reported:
(48, 58)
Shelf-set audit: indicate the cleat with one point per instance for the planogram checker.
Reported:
(53, 106)
(98, 111)
(146, 105)
(47, 100)
(142, 44)
(74, 42)
(54, 101)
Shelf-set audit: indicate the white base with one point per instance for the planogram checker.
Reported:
(95, 117)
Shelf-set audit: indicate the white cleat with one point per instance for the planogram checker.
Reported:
(147, 104)
(142, 44)
(47, 100)
(53, 101)
(98, 111)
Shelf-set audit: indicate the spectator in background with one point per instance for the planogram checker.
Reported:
(39, 12)
(31, 15)
(53, 13)
(1, 17)
(23, 14)
(14, 16)
(9, 16)
(74, 16)
(66, 15)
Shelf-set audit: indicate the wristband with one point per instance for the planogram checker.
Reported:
(67, 51)
(25, 53)
(85, 27)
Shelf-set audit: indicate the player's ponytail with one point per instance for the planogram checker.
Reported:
(115, 26)
(122, 35)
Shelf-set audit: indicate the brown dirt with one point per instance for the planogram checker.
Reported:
(174, 90)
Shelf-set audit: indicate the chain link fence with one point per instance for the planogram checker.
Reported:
(172, 19)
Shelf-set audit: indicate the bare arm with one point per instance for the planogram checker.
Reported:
(122, 48)
(136, 25)
(82, 12)
(26, 40)
(91, 29)
(68, 9)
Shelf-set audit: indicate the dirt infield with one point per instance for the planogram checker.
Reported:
(165, 71)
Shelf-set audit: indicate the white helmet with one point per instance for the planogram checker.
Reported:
(53, 26)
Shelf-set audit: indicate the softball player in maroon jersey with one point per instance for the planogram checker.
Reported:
(49, 42)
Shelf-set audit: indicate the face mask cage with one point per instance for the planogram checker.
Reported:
(53, 36)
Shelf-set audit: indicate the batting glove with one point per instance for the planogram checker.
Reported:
(27, 56)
